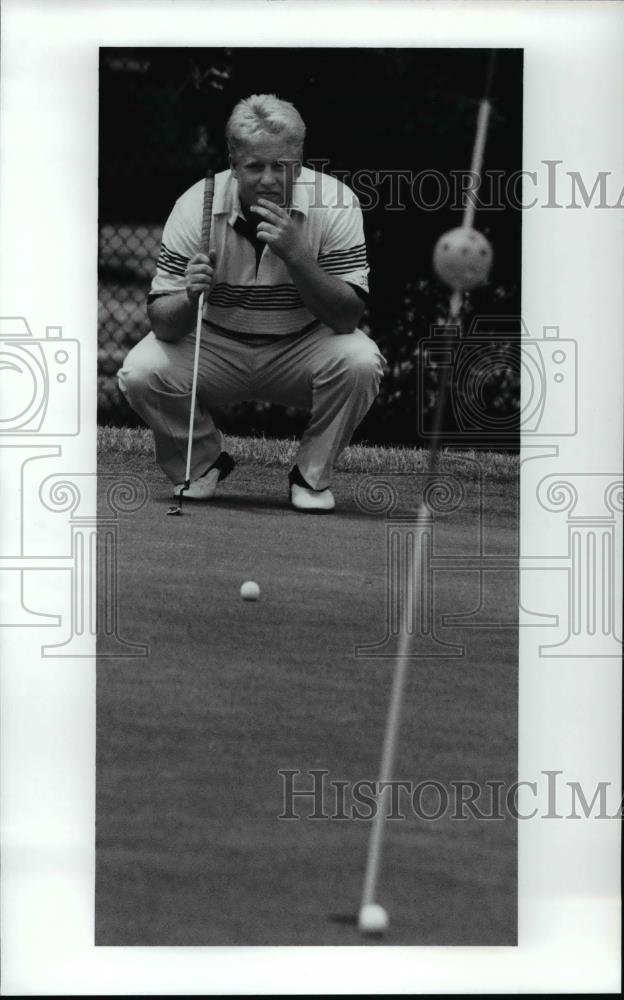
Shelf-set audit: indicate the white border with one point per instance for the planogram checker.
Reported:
(569, 898)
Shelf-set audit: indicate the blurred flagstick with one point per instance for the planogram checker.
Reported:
(397, 694)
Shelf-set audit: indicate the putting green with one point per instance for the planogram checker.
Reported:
(191, 740)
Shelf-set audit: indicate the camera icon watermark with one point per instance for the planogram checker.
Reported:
(501, 382)
(39, 381)
(39, 404)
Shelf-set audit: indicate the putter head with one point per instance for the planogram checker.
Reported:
(176, 508)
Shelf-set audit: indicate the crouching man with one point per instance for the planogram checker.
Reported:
(285, 285)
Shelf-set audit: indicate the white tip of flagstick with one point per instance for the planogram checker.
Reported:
(373, 919)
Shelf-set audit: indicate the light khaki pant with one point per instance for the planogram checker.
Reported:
(334, 376)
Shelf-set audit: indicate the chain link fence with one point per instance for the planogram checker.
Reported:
(127, 261)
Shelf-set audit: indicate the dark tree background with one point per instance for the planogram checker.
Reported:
(162, 118)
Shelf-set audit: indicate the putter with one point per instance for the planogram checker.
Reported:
(204, 247)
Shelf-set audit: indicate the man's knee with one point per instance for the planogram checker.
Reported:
(146, 368)
(133, 376)
(360, 358)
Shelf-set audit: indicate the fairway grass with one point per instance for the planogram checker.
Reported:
(128, 443)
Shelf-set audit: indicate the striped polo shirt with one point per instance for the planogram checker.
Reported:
(256, 295)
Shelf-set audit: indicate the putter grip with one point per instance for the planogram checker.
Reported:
(204, 245)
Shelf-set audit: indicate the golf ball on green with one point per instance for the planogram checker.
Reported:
(250, 591)
(373, 919)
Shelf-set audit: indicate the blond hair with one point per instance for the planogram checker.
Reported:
(264, 114)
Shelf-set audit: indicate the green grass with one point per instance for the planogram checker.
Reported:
(191, 738)
(127, 442)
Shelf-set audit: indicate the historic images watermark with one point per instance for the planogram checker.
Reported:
(314, 795)
(550, 186)
(41, 400)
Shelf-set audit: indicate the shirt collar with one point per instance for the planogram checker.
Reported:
(227, 200)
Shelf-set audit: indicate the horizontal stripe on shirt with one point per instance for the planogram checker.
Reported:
(356, 252)
(260, 298)
(340, 269)
(363, 294)
(172, 262)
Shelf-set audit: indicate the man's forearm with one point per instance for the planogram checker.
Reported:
(330, 298)
(172, 316)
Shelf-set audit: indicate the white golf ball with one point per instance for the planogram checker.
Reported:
(373, 919)
(250, 591)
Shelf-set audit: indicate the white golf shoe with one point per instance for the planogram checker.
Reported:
(307, 500)
(205, 487)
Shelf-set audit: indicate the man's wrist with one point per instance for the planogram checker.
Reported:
(300, 258)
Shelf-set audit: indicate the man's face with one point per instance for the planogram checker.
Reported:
(266, 167)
